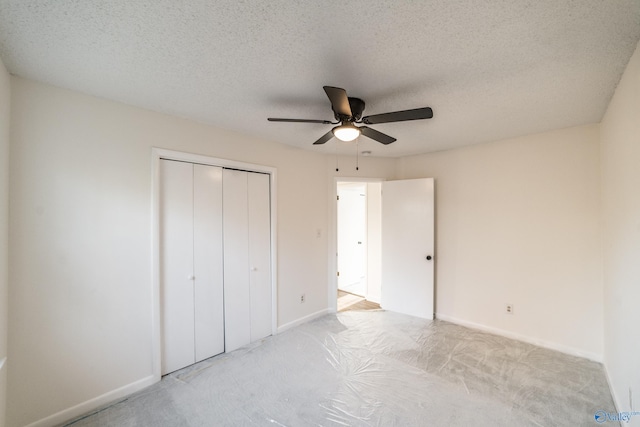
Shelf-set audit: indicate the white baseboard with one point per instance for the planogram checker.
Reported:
(302, 320)
(112, 396)
(616, 401)
(540, 343)
(95, 403)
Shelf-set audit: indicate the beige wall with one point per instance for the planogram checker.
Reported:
(620, 153)
(4, 230)
(80, 204)
(517, 221)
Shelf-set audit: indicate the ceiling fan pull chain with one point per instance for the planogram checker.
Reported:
(357, 155)
(337, 169)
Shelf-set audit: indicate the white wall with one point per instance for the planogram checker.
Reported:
(620, 154)
(368, 167)
(517, 221)
(4, 231)
(80, 204)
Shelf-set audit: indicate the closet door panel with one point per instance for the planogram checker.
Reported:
(259, 254)
(236, 260)
(208, 264)
(176, 260)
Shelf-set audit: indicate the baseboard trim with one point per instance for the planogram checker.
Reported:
(302, 320)
(540, 343)
(93, 404)
(614, 397)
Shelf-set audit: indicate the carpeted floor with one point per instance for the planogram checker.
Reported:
(373, 368)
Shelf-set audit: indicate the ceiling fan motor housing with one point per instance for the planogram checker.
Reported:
(357, 107)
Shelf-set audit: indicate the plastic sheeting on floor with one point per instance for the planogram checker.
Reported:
(373, 368)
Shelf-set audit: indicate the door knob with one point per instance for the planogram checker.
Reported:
(191, 277)
(428, 257)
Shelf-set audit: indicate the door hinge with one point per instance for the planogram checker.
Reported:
(338, 273)
(337, 197)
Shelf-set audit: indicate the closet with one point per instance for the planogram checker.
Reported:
(215, 261)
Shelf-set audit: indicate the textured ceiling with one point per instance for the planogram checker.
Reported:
(490, 70)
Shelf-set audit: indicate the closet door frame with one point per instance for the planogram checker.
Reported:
(160, 153)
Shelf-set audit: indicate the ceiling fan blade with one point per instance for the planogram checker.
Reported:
(325, 122)
(399, 116)
(339, 100)
(324, 138)
(378, 136)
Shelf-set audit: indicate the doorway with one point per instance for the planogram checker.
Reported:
(358, 245)
(399, 245)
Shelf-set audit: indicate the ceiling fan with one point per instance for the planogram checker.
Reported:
(348, 111)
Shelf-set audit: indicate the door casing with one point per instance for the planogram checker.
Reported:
(332, 300)
(352, 209)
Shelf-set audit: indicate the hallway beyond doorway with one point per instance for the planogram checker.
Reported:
(347, 301)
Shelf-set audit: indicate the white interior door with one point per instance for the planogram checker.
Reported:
(259, 254)
(237, 295)
(407, 247)
(176, 261)
(208, 255)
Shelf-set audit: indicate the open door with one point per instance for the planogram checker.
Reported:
(407, 247)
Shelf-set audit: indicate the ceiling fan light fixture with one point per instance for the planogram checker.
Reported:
(346, 132)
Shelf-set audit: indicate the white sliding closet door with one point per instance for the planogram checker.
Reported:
(191, 263)
(215, 261)
(236, 259)
(176, 260)
(208, 252)
(260, 254)
(247, 257)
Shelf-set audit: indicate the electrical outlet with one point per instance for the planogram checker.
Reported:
(509, 308)
(302, 298)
